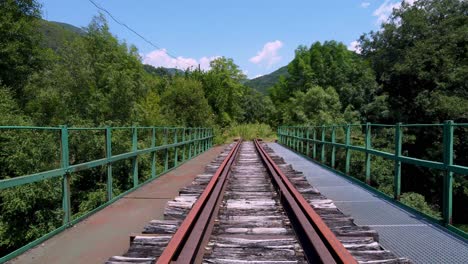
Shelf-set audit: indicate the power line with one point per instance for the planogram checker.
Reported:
(136, 33)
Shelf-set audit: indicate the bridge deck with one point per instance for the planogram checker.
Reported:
(404, 233)
(107, 232)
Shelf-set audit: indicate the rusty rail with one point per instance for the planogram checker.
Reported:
(186, 244)
(317, 240)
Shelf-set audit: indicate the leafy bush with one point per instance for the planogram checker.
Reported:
(418, 202)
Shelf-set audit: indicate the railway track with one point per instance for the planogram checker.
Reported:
(251, 207)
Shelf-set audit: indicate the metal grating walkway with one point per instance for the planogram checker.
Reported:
(406, 234)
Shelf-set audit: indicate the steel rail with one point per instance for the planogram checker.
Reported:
(318, 241)
(186, 244)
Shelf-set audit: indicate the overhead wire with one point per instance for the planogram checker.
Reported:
(138, 34)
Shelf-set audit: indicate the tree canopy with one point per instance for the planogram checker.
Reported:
(420, 59)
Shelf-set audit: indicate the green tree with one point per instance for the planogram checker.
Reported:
(224, 91)
(20, 51)
(94, 79)
(420, 58)
(330, 64)
(317, 106)
(184, 104)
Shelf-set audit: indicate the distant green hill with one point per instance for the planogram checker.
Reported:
(264, 82)
(55, 34)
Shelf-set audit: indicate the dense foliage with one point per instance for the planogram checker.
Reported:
(327, 84)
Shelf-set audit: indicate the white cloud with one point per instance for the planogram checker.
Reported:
(160, 58)
(258, 75)
(269, 54)
(384, 10)
(365, 4)
(354, 46)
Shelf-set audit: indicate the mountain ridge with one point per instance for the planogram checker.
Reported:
(262, 83)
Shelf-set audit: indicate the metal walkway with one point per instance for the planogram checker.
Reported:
(405, 234)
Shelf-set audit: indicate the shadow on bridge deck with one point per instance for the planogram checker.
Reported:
(106, 233)
(405, 234)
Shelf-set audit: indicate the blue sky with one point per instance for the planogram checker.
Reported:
(260, 35)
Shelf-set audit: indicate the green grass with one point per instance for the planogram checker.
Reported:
(246, 132)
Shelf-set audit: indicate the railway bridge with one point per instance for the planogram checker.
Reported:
(168, 195)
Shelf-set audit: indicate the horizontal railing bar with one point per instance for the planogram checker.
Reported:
(29, 127)
(95, 128)
(381, 125)
(86, 128)
(408, 160)
(422, 125)
(458, 169)
(21, 180)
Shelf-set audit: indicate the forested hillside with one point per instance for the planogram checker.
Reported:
(266, 81)
(413, 70)
(56, 34)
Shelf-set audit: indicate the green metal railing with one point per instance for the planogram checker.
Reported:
(189, 141)
(313, 138)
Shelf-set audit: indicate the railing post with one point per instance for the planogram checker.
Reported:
(211, 137)
(195, 142)
(191, 143)
(291, 142)
(299, 139)
(196, 146)
(348, 152)
(397, 168)
(153, 153)
(184, 149)
(294, 140)
(166, 150)
(176, 154)
(448, 177)
(65, 163)
(135, 159)
(298, 142)
(314, 150)
(308, 142)
(278, 134)
(302, 140)
(322, 156)
(109, 164)
(204, 140)
(333, 139)
(283, 138)
(200, 141)
(368, 156)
